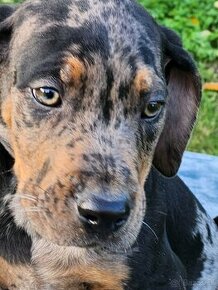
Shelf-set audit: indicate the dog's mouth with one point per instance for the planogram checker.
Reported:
(98, 248)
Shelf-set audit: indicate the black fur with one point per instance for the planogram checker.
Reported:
(15, 244)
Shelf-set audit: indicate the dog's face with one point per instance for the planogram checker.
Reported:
(94, 92)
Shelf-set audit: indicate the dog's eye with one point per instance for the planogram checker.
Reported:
(152, 109)
(47, 96)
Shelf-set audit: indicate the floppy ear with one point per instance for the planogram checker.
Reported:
(6, 27)
(184, 94)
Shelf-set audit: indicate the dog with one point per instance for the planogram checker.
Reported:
(97, 105)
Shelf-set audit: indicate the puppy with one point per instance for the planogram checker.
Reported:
(97, 106)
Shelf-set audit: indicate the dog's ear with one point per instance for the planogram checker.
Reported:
(6, 29)
(184, 94)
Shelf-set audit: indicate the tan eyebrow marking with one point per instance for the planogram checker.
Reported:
(72, 71)
(143, 80)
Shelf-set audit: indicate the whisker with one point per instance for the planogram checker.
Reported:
(151, 230)
(161, 212)
(36, 185)
(29, 210)
(33, 210)
(28, 197)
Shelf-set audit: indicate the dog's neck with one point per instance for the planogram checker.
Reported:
(161, 266)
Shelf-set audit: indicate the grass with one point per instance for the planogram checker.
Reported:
(196, 22)
(205, 135)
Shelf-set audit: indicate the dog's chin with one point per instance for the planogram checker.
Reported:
(104, 245)
(76, 253)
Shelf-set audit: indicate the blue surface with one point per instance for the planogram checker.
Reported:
(200, 173)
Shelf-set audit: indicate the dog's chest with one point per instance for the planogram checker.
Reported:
(77, 269)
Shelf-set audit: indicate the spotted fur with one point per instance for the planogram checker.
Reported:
(107, 60)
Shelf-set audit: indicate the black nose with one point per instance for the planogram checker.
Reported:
(104, 215)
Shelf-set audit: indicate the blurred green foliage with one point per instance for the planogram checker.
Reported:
(10, 1)
(197, 23)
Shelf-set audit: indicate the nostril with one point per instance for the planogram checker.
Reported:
(88, 216)
(92, 220)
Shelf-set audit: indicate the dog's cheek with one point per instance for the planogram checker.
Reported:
(27, 162)
(30, 144)
(146, 138)
(7, 111)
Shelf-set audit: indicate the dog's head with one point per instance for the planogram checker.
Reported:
(92, 93)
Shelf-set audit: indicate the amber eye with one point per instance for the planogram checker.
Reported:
(152, 109)
(47, 96)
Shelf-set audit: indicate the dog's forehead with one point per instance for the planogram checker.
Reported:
(48, 30)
